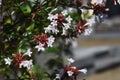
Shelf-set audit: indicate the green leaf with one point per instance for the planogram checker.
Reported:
(25, 9)
(31, 27)
(53, 10)
(52, 49)
(8, 21)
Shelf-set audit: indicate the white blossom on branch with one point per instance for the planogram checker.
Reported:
(50, 41)
(40, 47)
(8, 61)
(28, 52)
(27, 63)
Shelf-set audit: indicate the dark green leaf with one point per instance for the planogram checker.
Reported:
(25, 9)
(31, 27)
(52, 49)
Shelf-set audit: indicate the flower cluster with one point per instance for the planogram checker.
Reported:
(58, 21)
(43, 41)
(70, 72)
(19, 60)
(85, 27)
(98, 8)
(61, 23)
(80, 27)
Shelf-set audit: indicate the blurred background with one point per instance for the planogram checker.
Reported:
(100, 51)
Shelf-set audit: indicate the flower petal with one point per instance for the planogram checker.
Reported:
(83, 71)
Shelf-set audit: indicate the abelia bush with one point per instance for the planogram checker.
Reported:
(36, 26)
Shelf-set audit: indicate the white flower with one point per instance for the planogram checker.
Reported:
(64, 12)
(88, 31)
(83, 71)
(8, 61)
(28, 53)
(57, 76)
(27, 63)
(54, 23)
(69, 19)
(70, 73)
(51, 28)
(64, 31)
(48, 29)
(66, 25)
(55, 30)
(70, 60)
(40, 47)
(52, 17)
(50, 41)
